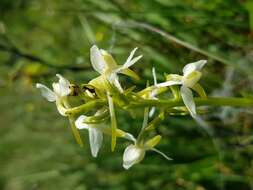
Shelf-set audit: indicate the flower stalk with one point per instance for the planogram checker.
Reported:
(210, 101)
(105, 94)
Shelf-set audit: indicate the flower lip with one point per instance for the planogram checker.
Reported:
(80, 122)
(132, 155)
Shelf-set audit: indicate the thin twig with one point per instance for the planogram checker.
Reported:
(173, 39)
(17, 52)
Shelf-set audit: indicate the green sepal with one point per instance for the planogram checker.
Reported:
(173, 77)
(101, 84)
(130, 73)
(75, 132)
(110, 61)
(153, 142)
(129, 90)
(200, 90)
(175, 91)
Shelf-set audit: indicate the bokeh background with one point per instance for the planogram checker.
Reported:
(39, 38)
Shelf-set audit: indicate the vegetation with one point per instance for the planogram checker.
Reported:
(41, 38)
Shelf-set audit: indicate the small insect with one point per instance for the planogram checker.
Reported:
(75, 90)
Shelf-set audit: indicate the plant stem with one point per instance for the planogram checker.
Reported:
(211, 101)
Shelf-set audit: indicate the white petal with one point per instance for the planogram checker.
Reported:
(80, 122)
(132, 155)
(131, 55)
(46, 92)
(114, 79)
(64, 86)
(196, 66)
(188, 100)
(169, 83)
(97, 60)
(154, 75)
(96, 139)
(130, 60)
(118, 85)
(130, 137)
(133, 61)
(57, 88)
(151, 112)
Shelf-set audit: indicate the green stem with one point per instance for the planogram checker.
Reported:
(212, 101)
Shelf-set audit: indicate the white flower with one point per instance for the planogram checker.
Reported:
(96, 133)
(135, 153)
(60, 90)
(105, 65)
(188, 82)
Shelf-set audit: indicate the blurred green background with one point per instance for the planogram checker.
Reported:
(39, 38)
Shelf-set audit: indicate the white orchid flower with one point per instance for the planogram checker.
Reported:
(59, 93)
(107, 67)
(188, 82)
(135, 153)
(96, 133)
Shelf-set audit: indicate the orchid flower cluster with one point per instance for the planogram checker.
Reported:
(100, 96)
